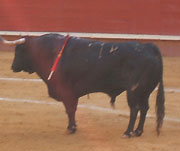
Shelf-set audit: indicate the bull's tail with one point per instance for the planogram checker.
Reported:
(160, 109)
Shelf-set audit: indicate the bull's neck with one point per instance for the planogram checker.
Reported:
(43, 73)
(42, 65)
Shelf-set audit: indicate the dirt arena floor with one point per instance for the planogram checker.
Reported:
(31, 121)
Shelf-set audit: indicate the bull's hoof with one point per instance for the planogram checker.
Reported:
(128, 135)
(138, 133)
(71, 129)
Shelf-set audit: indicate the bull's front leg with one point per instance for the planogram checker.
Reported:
(72, 123)
(71, 106)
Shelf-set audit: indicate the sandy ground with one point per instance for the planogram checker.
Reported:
(42, 127)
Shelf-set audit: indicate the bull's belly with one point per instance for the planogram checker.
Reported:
(109, 90)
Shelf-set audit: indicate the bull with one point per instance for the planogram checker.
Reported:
(89, 66)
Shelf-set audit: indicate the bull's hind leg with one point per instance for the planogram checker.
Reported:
(133, 103)
(144, 106)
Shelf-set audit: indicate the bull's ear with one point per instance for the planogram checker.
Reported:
(14, 42)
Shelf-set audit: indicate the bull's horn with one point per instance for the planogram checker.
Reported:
(14, 42)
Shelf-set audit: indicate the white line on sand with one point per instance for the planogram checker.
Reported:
(170, 90)
(91, 107)
(20, 79)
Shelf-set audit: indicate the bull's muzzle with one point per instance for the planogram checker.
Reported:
(15, 68)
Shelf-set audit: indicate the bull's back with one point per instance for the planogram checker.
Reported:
(93, 66)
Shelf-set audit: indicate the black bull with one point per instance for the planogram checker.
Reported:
(88, 66)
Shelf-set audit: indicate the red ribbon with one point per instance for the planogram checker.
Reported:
(58, 57)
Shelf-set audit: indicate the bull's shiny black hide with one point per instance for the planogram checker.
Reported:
(88, 66)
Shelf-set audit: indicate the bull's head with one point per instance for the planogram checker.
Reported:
(22, 61)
